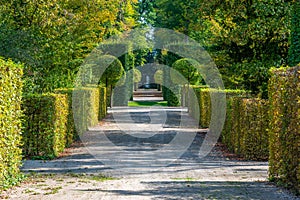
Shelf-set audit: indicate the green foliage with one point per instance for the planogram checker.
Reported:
(53, 38)
(193, 100)
(246, 127)
(85, 104)
(187, 68)
(146, 103)
(244, 39)
(284, 128)
(146, 11)
(171, 92)
(71, 133)
(10, 122)
(250, 76)
(174, 95)
(205, 108)
(137, 75)
(247, 39)
(177, 14)
(44, 124)
(102, 103)
(205, 103)
(294, 50)
(158, 76)
(113, 72)
(127, 59)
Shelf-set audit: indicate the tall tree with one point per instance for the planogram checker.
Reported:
(245, 38)
(294, 51)
(57, 35)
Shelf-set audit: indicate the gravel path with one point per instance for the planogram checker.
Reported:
(136, 167)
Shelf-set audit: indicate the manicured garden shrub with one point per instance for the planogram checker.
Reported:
(232, 126)
(205, 103)
(205, 107)
(85, 104)
(193, 100)
(71, 133)
(246, 127)
(173, 95)
(123, 51)
(254, 129)
(44, 124)
(171, 92)
(246, 122)
(102, 103)
(284, 128)
(10, 122)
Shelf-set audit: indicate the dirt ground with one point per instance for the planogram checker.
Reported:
(92, 170)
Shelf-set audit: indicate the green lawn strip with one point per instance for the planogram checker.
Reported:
(146, 103)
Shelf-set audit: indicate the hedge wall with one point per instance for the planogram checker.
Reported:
(102, 103)
(44, 124)
(192, 101)
(85, 104)
(10, 122)
(284, 128)
(246, 127)
(71, 133)
(205, 107)
(205, 103)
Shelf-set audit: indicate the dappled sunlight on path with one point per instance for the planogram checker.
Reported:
(142, 173)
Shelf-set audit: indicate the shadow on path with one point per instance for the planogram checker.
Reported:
(186, 177)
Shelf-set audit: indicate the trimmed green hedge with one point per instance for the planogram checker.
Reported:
(85, 104)
(246, 127)
(284, 128)
(205, 107)
(71, 133)
(254, 129)
(102, 103)
(193, 102)
(174, 95)
(203, 95)
(44, 124)
(10, 122)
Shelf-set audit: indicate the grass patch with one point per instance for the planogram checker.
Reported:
(84, 178)
(53, 190)
(101, 177)
(27, 191)
(41, 185)
(188, 179)
(83, 181)
(147, 103)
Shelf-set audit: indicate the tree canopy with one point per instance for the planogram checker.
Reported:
(187, 68)
(245, 38)
(52, 38)
(294, 50)
(113, 73)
